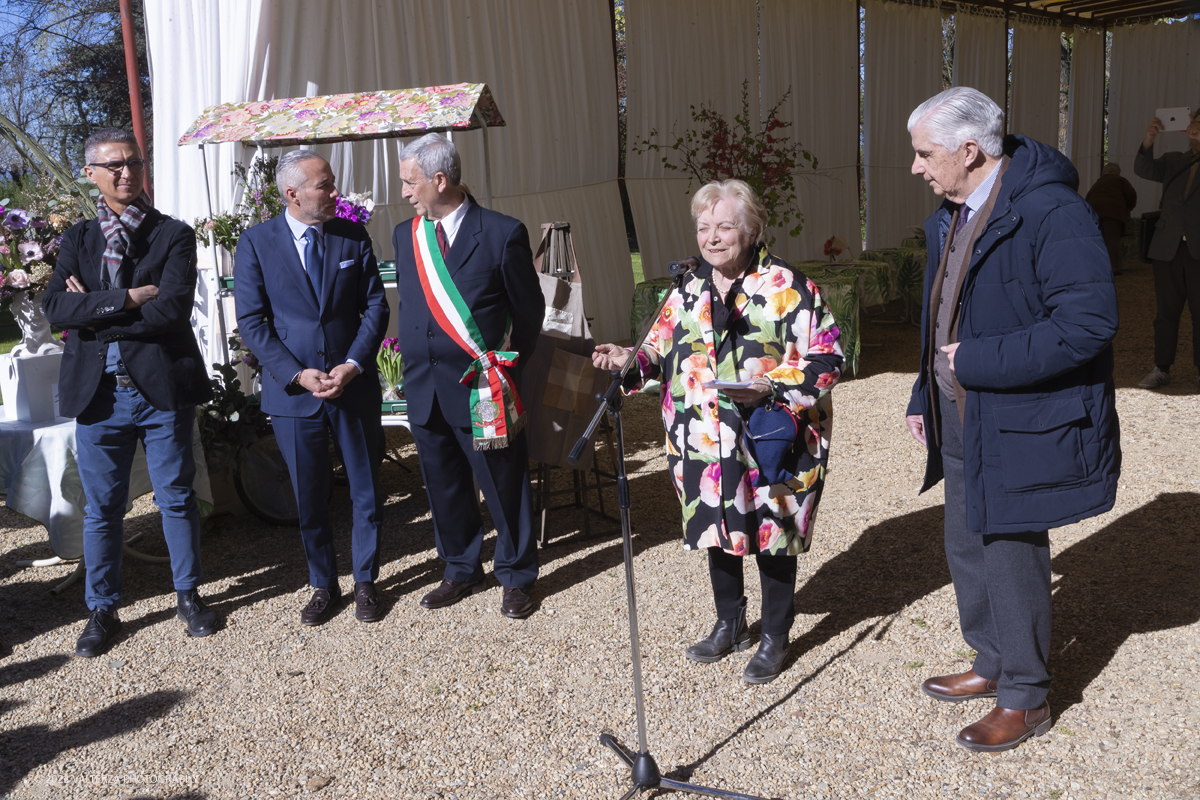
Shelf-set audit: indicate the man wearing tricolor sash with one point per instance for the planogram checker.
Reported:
(470, 312)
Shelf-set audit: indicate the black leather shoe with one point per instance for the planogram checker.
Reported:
(728, 636)
(517, 603)
(367, 607)
(320, 608)
(767, 663)
(101, 627)
(200, 619)
(448, 593)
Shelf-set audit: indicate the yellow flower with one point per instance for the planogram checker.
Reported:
(782, 303)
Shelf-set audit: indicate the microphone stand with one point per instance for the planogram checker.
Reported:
(644, 771)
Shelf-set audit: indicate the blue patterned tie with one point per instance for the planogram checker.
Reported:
(314, 258)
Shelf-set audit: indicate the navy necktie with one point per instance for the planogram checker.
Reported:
(314, 258)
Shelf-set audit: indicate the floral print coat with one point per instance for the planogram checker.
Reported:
(784, 332)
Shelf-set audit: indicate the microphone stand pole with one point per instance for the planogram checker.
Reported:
(644, 771)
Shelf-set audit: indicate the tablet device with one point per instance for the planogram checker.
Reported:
(1175, 119)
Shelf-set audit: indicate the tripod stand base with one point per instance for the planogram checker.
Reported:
(645, 775)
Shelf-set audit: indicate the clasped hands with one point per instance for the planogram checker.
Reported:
(614, 357)
(327, 386)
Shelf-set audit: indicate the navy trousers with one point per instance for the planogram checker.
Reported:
(1002, 583)
(106, 437)
(448, 459)
(304, 444)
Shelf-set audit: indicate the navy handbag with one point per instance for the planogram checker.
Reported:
(772, 435)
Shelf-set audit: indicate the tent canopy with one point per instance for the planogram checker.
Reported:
(347, 117)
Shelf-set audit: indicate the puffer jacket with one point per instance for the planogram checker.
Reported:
(1037, 317)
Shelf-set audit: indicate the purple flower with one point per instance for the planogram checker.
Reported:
(16, 220)
(38, 222)
(30, 251)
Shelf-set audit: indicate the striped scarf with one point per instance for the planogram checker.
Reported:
(118, 235)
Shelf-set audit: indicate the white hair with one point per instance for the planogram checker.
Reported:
(288, 174)
(958, 114)
(435, 153)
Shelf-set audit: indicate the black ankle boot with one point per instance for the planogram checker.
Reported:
(728, 636)
(200, 619)
(767, 663)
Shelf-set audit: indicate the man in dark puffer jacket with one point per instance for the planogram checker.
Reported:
(1015, 397)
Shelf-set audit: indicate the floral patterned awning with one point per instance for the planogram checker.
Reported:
(347, 117)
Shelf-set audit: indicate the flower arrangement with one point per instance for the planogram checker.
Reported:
(356, 207)
(230, 422)
(835, 246)
(260, 202)
(241, 354)
(714, 150)
(391, 369)
(29, 242)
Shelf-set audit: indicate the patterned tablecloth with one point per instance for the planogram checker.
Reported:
(838, 284)
(904, 277)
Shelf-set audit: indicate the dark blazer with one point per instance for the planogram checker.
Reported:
(1041, 442)
(1180, 215)
(288, 329)
(492, 267)
(156, 340)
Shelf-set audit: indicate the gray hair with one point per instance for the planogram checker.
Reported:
(288, 174)
(751, 212)
(435, 153)
(958, 114)
(103, 136)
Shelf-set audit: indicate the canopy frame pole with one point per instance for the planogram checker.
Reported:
(487, 164)
(218, 299)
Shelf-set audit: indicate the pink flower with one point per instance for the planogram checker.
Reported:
(710, 485)
(19, 278)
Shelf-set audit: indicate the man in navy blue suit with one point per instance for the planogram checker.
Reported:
(470, 313)
(311, 308)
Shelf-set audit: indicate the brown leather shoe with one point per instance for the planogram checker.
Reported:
(518, 603)
(1005, 728)
(367, 607)
(320, 607)
(448, 593)
(956, 688)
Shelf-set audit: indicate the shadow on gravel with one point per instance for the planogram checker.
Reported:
(31, 746)
(1136, 575)
(12, 674)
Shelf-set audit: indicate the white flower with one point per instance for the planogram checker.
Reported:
(30, 251)
(19, 278)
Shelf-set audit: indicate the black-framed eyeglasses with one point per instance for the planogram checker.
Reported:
(135, 165)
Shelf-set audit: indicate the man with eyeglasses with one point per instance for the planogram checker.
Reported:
(124, 286)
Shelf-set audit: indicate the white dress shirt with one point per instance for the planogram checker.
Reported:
(453, 221)
(980, 195)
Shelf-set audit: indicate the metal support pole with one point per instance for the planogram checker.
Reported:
(218, 301)
(134, 76)
(487, 164)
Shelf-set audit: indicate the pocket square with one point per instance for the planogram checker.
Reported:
(344, 264)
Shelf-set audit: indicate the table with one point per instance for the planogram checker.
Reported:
(839, 285)
(904, 277)
(39, 478)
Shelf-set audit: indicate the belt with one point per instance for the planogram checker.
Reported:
(120, 380)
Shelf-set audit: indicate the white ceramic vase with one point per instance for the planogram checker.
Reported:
(36, 340)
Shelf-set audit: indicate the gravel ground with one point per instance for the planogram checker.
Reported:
(464, 703)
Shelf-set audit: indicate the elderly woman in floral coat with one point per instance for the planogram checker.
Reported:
(744, 316)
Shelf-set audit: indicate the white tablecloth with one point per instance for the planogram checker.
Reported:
(39, 477)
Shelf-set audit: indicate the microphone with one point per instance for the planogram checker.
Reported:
(683, 265)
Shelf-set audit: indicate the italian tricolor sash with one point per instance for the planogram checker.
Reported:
(496, 410)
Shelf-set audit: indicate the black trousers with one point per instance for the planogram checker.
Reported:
(1112, 230)
(448, 459)
(778, 577)
(1002, 583)
(1176, 282)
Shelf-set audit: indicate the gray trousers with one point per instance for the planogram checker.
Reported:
(1002, 583)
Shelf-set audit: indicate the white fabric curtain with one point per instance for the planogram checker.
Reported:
(981, 51)
(807, 47)
(903, 66)
(1036, 76)
(1153, 66)
(201, 54)
(680, 53)
(549, 64)
(1085, 110)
